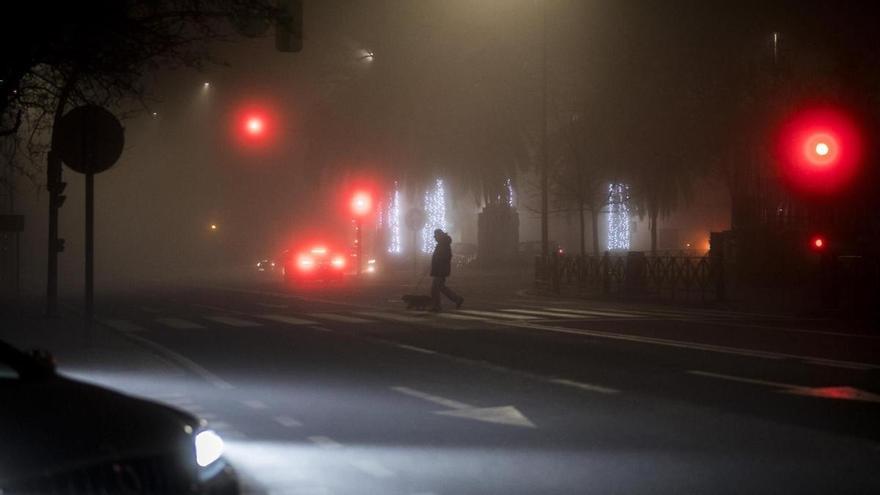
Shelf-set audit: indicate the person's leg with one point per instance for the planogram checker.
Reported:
(451, 295)
(436, 287)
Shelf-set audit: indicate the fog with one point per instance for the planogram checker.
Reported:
(408, 91)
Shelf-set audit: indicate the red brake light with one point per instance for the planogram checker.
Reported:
(306, 263)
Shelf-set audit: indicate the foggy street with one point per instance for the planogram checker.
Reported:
(439, 247)
(341, 390)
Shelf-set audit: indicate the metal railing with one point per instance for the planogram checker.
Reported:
(634, 273)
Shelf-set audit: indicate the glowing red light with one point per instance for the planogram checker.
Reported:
(817, 242)
(361, 203)
(820, 151)
(254, 126)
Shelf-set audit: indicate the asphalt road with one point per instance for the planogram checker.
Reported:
(340, 390)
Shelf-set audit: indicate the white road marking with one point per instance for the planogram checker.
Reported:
(682, 344)
(373, 468)
(385, 315)
(183, 362)
(325, 442)
(495, 314)
(178, 323)
(613, 314)
(338, 317)
(585, 386)
(416, 349)
(456, 316)
(233, 322)
(504, 415)
(321, 329)
(287, 421)
(436, 399)
(290, 320)
(255, 404)
(547, 313)
(123, 325)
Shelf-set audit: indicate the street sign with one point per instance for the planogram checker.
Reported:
(415, 219)
(89, 139)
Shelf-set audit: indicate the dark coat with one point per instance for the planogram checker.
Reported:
(442, 258)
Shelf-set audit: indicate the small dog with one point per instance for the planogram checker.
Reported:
(418, 302)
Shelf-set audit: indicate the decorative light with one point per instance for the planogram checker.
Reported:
(509, 185)
(618, 217)
(435, 210)
(394, 245)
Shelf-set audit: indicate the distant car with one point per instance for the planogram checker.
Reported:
(61, 435)
(266, 266)
(317, 263)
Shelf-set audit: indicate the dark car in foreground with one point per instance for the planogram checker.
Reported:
(61, 435)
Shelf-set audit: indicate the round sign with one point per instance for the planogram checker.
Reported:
(415, 219)
(89, 139)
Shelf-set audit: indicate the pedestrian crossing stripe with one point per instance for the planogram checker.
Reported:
(615, 314)
(340, 318)
(456, 316)
(495, 314)
(547, 313)
(233, 322)
(290, 320)
(178, 323)
(384, 315)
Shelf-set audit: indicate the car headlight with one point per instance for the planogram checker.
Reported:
(209, 447)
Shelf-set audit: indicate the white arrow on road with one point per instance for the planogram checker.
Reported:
(839, 393)
(502, 415)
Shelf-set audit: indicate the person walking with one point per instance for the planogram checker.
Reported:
(441, 267)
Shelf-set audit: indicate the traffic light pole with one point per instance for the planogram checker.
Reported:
(545, 186)
(55, 187)
(90, 246)
(358, 241)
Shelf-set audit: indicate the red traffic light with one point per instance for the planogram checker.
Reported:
(819, 151)
(818, 243)
(361, 203)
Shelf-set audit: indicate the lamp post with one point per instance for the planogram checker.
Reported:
(361, 205)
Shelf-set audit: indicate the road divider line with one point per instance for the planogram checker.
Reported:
(681, 344)
(585, 386)
(182, 361)
(416, 349)
(732, 378)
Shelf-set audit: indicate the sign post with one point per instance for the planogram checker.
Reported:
(90, 141)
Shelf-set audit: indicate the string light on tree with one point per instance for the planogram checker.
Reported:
(509, 184)
(394, 245)
(435, 210)
(618, 217)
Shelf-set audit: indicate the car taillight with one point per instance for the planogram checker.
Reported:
(338, 262)
(306, 263)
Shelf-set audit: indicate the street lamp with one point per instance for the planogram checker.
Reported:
(361, 206)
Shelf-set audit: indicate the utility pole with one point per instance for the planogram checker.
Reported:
(545, 231)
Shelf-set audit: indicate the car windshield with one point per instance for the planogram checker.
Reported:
(445, 246)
